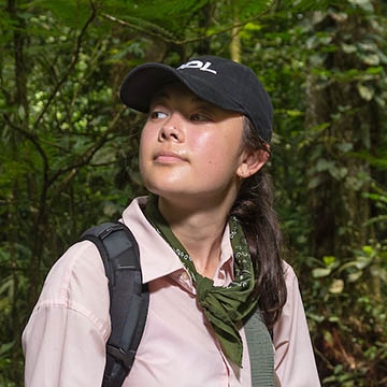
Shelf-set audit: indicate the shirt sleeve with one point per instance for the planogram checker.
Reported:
(294, 359)
(64, 340)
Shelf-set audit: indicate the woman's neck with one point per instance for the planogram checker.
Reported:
(200, 231)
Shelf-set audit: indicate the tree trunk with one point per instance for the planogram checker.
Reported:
(341, 105)
(235, 44)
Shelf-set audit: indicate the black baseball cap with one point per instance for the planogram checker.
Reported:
(223, 82)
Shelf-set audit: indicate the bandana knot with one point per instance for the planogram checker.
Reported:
(203, 289)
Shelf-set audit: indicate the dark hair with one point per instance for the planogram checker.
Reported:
(254, 208)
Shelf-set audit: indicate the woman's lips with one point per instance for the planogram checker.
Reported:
(168, 157)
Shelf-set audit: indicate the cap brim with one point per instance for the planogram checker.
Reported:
(143, 82)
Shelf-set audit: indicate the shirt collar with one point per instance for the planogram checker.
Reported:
(157, 257)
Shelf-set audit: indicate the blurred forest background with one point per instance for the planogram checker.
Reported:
(69, 148)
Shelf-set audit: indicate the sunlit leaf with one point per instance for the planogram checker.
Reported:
(337, 286)
(321, 272)
(365, 92)
(353, 277)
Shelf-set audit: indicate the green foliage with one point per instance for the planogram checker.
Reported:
(353, 330)
(73, 13)
(321, 166)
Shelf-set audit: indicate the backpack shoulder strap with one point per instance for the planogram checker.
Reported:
(260, 347)
(129, 297)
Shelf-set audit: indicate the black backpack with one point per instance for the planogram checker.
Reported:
(121, 258)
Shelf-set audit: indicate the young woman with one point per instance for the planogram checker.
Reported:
(210, 249)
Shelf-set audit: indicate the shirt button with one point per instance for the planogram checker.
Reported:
(185, 276)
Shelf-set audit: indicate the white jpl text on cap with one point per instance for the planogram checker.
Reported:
(197, 64)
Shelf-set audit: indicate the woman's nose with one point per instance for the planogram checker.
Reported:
(172, 129)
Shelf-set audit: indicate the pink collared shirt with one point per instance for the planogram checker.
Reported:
(64, 341)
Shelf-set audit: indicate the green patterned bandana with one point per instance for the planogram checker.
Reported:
(225, 307)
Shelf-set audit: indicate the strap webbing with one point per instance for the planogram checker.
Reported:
(261, 362)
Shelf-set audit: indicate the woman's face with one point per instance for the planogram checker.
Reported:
(190, 149)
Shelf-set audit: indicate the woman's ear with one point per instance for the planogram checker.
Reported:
(252, 162)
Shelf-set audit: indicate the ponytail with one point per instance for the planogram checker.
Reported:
(254, 208)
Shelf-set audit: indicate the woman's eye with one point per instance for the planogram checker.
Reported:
(157, 115)
(199, 117)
